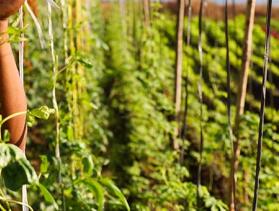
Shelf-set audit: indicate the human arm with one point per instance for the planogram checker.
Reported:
(12, 95)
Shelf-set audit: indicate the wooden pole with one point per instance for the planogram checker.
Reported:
(242, 87)
(178, 67)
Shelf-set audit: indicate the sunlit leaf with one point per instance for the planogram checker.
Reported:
(114, 190)
(98, 191)
(47, 195)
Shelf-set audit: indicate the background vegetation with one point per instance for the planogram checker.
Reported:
(109, 76)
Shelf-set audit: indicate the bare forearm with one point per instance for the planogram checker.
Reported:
(12, 94)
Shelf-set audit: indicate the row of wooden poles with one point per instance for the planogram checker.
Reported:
(180, 132)
(247, 48)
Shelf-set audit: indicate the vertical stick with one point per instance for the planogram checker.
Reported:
(21, 74)
(65, 22)
(263, 98)
(185, 113)
(178, 68)
(242, 87)
(122, 7)
(247, 48)
(201, 104)
(146, 9)
(21, 45)
(228, 68)
(54, 99)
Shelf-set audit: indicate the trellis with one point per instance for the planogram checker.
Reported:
(266, 60)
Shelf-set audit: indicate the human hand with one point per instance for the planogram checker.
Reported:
(9, 7)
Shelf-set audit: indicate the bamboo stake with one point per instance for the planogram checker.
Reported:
(201, 104)
(228, 68)
(178, 69)
(146, 9)
(185, 113)
(263, 98)
(247, 47)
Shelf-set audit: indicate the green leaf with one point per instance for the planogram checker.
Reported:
(9, 153)
(14, 176)
(114, 190)
(44, 164)
(6, 136)
(88, 164)
(17, 174)
(5, 155)
(47, 195)
(84, 61)
(98, 191)
(16, 169)
(31, 121)
(42, 113)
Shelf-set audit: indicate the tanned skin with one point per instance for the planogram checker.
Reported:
(12, 95)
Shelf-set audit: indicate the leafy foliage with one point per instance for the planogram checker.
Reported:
(110, 82)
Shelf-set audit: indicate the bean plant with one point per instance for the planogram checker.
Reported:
(100, 86)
